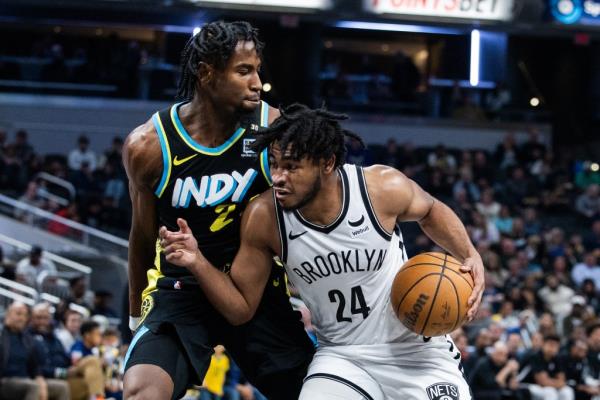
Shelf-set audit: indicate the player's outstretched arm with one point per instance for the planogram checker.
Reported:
(142, 159)
(237, 295)
(400, 196)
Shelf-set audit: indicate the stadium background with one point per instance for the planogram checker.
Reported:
(491, 105)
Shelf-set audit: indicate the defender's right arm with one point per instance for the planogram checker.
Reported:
(142, 159)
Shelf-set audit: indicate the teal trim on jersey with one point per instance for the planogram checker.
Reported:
(264, 114)
(264, 166)
(209, 151)
(264, 155)
(166, 154)
(141, 331)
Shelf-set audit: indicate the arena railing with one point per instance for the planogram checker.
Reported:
(25, 247)
(14, 291)
(87, 235)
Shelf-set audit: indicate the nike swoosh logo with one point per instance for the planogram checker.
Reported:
(177, 161)
(292, 236)
(357, 223)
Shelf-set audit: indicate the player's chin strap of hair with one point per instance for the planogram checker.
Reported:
(134, 322)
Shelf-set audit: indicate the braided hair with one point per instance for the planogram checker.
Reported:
(312, 133)
(213, 45)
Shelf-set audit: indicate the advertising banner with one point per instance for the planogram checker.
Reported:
(498, 10)
(583, 12)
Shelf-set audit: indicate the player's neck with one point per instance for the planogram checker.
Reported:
(207, 124)
(328, 202)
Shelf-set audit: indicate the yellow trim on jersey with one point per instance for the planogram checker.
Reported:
(209, 151)
(154, 274)
(166, 152)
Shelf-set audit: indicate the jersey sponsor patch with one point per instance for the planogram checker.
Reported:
(246, 150)
(443, 391)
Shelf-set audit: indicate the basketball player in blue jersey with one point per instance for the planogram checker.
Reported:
(194, 161)
(334, 226)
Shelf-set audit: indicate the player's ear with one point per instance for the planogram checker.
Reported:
(205, 73)
(329, 165)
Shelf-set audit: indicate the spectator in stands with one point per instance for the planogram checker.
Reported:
(30, 197)
(487, 206)
(32, 270)
(593, 334)
(23, 150)
(592, 239)
(71, 212)
(483, 229)
(506, 154)
(68, 333)
(494, 376)
(82, 154)
(556, 296)
(588, 269)
(79, 293)
(113, 155)
(357, 154)
(589, 292)
(560, 268)
(531, 221)
(518, 189)
(465, 182)
(442, 160)
(482, 342)
(55, 362)
(588, 203)
(546, 379)
(504, 220)
(576, 370)
(391, 155)
(532, 146)
(214, 380)
(20, 361)
(585, 175)
(482, 169)
(577, 317)
(84, 356)
(7, 268)
(102, 299)
(112, 359)
(14, 171)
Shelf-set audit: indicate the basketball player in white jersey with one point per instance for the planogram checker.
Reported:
(334, 226)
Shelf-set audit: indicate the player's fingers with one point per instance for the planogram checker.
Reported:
(467, 265)
(183, 226)
(162, 232)
(173, 247)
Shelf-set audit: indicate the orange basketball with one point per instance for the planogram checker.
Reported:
(430, 294)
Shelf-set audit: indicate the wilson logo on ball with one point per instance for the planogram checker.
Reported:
(412, 316)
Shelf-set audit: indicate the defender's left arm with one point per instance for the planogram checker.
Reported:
(409, 202)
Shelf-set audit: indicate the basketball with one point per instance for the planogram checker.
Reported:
(430, 294)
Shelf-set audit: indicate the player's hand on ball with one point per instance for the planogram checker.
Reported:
(180, 248)
(474, 264)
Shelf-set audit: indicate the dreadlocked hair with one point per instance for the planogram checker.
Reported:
(312, 133)
(213, 45)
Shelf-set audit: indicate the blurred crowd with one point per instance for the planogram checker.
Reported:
(47, 354)
(98, 197)
(532, 213)
(533, 216)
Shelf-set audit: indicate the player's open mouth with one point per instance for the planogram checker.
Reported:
(280, 194)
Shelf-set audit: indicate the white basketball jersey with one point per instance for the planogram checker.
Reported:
(344, 271)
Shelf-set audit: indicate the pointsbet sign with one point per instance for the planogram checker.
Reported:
(299, 4)
(499, 10)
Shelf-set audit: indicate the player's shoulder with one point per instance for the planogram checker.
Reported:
(274, 113)
(262, 207)
(383, 177)
(141, 150)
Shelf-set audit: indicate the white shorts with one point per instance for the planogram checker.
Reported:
(431, 371)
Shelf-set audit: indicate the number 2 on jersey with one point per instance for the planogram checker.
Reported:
(358, 305)
(221, 222)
